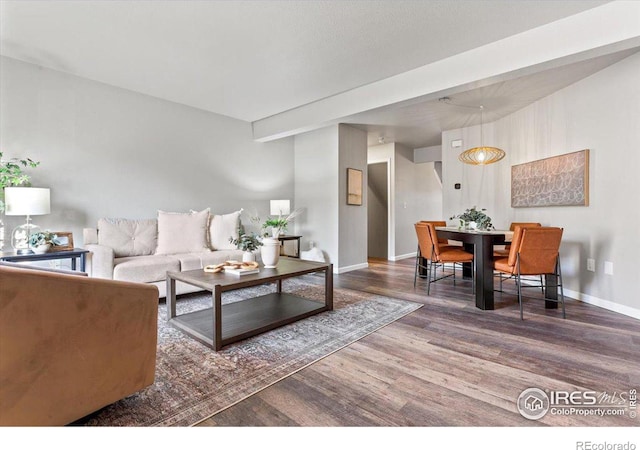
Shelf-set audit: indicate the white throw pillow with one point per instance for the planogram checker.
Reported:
(221, 228)
(182, 232)
(128, 237)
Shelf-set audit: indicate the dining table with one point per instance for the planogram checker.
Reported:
(481, 243)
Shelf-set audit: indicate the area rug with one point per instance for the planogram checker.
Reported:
(193, 382)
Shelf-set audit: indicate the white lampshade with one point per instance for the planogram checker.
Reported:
(27, 201)
(280, 207)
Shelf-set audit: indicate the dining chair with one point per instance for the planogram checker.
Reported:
(499, 253)
(438, 223)
(534, 251)
(435, 254)
(502, 253)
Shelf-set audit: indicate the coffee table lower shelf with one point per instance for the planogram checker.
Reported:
(247, 318)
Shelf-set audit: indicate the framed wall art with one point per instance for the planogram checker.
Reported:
(556, 181)
(65, 239)
(354, 187)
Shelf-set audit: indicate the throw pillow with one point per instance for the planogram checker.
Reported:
(128, 237)
(182, 232)
(221, 228)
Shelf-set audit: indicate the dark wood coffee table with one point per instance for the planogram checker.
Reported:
(221, 325)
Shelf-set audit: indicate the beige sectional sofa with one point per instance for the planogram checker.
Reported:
(143, 250)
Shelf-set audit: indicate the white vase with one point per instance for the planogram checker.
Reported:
(270, 252)
(248, 256)
(473, 226)
(40, 249)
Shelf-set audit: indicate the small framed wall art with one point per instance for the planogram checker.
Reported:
(65, 239)
(354, 187)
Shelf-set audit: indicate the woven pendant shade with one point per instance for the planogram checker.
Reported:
(481, 155)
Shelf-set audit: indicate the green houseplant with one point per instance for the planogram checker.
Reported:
(278, 225)
(247, 242)
(473, 215)
(42, 241)
(12, 174)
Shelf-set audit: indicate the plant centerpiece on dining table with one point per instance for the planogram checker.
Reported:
(474, 218)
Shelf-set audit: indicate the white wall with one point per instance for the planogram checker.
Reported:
(427, 154)
(353, 218)
(316, 189)
(600, 113)
(109, 152)
(321, 161)
(479, 184)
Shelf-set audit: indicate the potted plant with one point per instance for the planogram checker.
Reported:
(474, 219)
(42, 241)
(278, 225)
(248, 243)
(270, 250)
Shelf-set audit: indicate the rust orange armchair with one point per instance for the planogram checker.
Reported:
(534, 251)
(434, 254)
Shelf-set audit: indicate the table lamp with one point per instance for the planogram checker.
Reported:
(26, 201)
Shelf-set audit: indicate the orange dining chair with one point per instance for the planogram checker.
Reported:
(534, 251)
(434, 254)
(438, 223)
(507, 248)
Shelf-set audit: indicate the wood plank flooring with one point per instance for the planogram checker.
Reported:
(451, 364)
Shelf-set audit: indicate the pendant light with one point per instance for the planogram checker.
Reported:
(480, 156)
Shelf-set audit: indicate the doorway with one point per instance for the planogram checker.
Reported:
(377, 210)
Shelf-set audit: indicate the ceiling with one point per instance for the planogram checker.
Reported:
(254, 59)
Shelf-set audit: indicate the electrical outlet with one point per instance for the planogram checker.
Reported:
(608, 267)
(591, 265)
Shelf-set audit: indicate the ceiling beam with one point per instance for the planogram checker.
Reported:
(605, 29)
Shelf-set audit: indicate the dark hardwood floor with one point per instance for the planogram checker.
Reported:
(451, 364)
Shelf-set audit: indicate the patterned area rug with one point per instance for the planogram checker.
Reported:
(193, 382)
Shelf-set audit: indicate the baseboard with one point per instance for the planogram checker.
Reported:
(599, 302)
(606, 304)
(399, 257)
(345, 269)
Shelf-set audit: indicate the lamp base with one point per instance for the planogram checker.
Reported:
(20, 238)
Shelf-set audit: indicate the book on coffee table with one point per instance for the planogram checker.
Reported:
(241, 271)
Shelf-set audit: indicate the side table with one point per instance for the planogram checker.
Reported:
(73, 254)
(282, 238)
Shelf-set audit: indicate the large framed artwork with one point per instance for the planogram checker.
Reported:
(556, 181)
(354, 187)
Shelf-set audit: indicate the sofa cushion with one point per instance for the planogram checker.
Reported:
(221, 228)
(128, 237)
(182, 232)
(144, 269)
